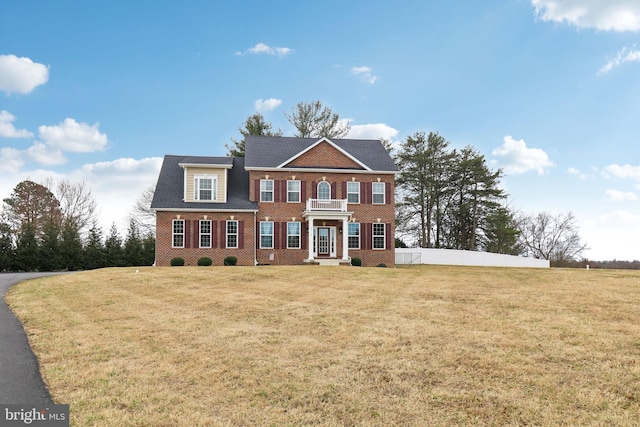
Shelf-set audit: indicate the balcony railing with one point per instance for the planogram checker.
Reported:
(339, 205)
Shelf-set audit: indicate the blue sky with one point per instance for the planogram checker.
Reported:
(548, 90)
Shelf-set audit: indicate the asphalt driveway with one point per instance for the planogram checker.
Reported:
(20, 380)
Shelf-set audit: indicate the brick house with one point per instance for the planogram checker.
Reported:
(288, 201)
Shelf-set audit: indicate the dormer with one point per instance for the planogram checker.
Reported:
(206, 178)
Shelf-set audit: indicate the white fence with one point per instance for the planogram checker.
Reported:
(469, 258)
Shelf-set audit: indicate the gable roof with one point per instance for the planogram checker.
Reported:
(269, 152)
(170, 187)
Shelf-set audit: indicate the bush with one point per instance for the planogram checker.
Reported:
(382, 264)
(177, 262)
(205, 262)
(356, 262)
(230, 260)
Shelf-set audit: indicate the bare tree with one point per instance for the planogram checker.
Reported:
(142, 214)
(313, 120)
(554, 238)
(77, 203)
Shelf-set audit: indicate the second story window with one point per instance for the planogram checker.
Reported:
(353, 192)
(324, 190)
(378, 193)
(293, 191)
(205, 188)
(266, 190)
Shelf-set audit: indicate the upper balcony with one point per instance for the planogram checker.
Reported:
(336, 205)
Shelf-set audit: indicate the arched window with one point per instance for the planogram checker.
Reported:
(324, 190)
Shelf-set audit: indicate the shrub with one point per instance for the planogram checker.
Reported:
(382, 264)
(177, 262)
(230, 260)
(205, 262)
(356, 262)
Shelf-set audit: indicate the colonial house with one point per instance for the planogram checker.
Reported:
(288, 201)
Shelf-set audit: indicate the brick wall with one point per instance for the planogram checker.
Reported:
(191, 253)
(365, 212)
(324, 155)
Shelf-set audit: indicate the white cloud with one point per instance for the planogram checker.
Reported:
(265, 49)
(577, 173)
(624, 171)
(516, 158)
(604, 15)
(74, 137)
(372, 131)
(365, 73)
(7, 130)
(621, 196)
(624, 56)
(267, 104)
(45, 155)
(11, 160)
(21, 75)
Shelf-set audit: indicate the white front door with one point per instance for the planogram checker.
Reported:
(325, 241)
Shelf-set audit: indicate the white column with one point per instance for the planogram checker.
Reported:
(310, 238)
(345, 239)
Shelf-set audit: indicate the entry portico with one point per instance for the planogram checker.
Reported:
(322, 238)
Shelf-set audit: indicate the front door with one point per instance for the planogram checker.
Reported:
(323, 241)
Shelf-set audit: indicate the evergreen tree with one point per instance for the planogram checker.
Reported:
(71, 247)
(26, 258)
(50, 258)
(6, 248)
(132, 246)
(113, 248)
(94, 251)
(148, 249)
(501, 234)
(254, 125)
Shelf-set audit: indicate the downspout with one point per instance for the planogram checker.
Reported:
(255, 224)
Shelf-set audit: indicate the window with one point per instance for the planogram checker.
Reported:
(205, 188)
(232, 234)
(293, 235)
(205, 233)
(378, 193)
(293, 191)
(266, 234)
(324, 190)
(353, 192)
(353, 234)
(266, 190)
(378, 236)
(178, 233)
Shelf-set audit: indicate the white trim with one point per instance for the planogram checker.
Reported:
(207, 165)
(174, 234)
(321, 140)
(200, 233)
(201, 210)
(214, 188)
(322, 170)
(226, 233)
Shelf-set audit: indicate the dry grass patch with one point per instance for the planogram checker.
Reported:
(426, 345)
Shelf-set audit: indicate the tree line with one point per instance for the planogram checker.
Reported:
(43, 231)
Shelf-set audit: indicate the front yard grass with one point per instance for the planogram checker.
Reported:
(424, 345)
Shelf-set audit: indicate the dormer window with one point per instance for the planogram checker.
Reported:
(205, 188)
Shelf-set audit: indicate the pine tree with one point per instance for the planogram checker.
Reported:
(7, 252)
(94, 251)
(113, 248)
(26, 258)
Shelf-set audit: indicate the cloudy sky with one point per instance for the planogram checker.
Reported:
(547, 90)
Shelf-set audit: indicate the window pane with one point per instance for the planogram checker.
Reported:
(266, 234)
(354, 235)
(353, 192)
(324, 190)
(266, 190)
(205, 227)
(232, 227)
(293, 235)
(378, 236)
(378, 192)
(205, 240)
(293, 191)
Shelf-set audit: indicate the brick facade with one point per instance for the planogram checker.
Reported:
(375, 213)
